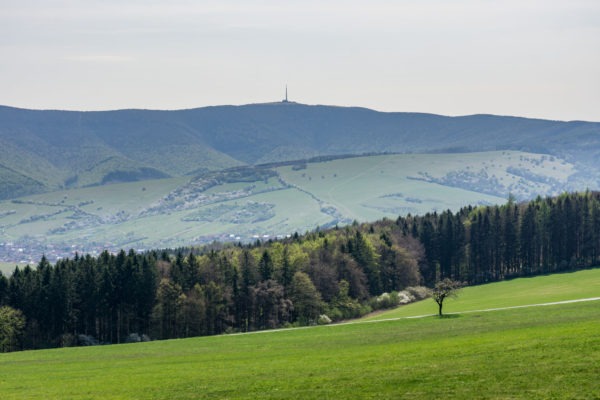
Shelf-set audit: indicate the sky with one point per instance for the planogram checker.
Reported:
(531, 58)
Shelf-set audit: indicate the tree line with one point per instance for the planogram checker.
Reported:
(321, 276)
(486, 244)
(334, 274)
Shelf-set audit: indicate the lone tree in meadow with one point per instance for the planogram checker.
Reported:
(443, 289)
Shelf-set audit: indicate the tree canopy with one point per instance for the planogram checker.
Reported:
(444, 289)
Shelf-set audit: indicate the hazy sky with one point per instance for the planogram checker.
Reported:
(454, 57)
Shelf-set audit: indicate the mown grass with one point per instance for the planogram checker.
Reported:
(529, 353)
(511, 293)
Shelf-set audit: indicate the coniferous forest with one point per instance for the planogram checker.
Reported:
(317, 277)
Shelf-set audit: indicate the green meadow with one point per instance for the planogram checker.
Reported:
(7, 268)
(379, 186)
(550, 352)
(512, 293)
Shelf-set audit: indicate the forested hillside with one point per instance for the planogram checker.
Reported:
(341, 273)
(49, 150)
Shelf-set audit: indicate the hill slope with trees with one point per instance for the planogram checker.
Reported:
(322, 276)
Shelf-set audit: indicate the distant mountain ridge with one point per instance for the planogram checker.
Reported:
(48, 150)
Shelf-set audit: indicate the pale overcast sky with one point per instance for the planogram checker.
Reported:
(454, 57)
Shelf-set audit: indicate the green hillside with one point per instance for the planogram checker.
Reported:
(244, 204)
(526, 353)
(369, 188)
(513, 293)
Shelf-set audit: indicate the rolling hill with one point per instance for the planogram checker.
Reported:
(245, 204)
(48, 150)
(523, 353)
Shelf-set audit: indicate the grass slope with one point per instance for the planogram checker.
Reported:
(529, 353)
(523, 291)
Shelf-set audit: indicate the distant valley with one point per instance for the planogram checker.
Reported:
(266, 202)
(85, 181)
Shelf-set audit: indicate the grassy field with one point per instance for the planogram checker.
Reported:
(370, 188)
(528, 353)
(7, 268)
(377, 186)
(322, 194)
(517, 292)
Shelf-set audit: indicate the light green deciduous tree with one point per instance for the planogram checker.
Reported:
(444, 289)
(12, 323)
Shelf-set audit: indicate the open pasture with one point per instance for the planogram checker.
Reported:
(511, 293)
(526, 353)
(368, 188)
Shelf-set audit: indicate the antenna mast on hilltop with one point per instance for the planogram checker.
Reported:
(286, 99)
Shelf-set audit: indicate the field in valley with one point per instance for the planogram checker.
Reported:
(529, 353)
(369, 188)
(7, 267)
(268, 202)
